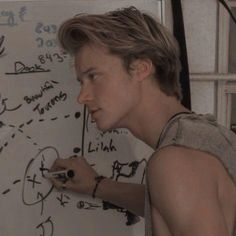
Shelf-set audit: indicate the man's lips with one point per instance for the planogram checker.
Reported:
(93, 112)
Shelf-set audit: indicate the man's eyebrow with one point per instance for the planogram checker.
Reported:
(79, 77)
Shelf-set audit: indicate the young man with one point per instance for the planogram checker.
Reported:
(128, 67)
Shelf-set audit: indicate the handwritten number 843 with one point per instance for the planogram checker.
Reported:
(50, 58)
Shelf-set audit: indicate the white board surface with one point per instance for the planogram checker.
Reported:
(40, 121)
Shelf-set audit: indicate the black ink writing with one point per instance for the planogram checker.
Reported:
(126, 170)
(41, 109)
(63, 199)
(5, 107)
(45, 225)
(48, 85)
(101, 146)
(54, 57)
(33, 180)
(2, 48)
(21, 68)
(131, 218)
(41, 199)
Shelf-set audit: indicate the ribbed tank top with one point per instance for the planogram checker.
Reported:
(200, 132)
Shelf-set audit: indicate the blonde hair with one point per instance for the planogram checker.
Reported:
(129, 34)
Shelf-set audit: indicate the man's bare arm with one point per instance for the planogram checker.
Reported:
(127, 195)
(184, 190)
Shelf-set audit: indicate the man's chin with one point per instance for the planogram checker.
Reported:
(104, 128)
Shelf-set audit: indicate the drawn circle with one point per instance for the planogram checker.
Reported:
(36, 188)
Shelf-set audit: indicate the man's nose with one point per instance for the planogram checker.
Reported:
(84, 96)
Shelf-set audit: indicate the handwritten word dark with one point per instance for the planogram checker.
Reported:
(21, 68)
(101, 146)
(54, 57)
(41, 109)
(41, 28)
(43, 225)
(2, 49)
(44, 88)
(49, 43)
(4, 107)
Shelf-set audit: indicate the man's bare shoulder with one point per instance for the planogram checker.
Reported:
(175, 169)
(184, 166)
(175, 158)
(184, 188)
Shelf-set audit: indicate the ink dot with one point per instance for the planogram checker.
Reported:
(77, 115)
(77, 150)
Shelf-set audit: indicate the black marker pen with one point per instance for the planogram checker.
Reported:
(61, 174)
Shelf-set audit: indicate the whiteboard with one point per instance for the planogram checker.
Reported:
(40, 121)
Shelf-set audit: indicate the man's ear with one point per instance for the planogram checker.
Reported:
(142, 68)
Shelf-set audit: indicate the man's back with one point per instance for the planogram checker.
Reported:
(190, 188)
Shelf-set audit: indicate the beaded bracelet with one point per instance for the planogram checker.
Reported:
(98, 180)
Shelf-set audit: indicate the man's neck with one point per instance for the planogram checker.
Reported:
(153, 116)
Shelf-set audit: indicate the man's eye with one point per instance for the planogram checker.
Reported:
(92, 76)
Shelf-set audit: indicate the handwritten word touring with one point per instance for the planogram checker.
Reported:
(41, 109)
(2, 49)
(4, 106)
(44, 88)
(10, 18)
(21, 68)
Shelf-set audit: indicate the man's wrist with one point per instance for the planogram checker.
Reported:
(98, 180)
